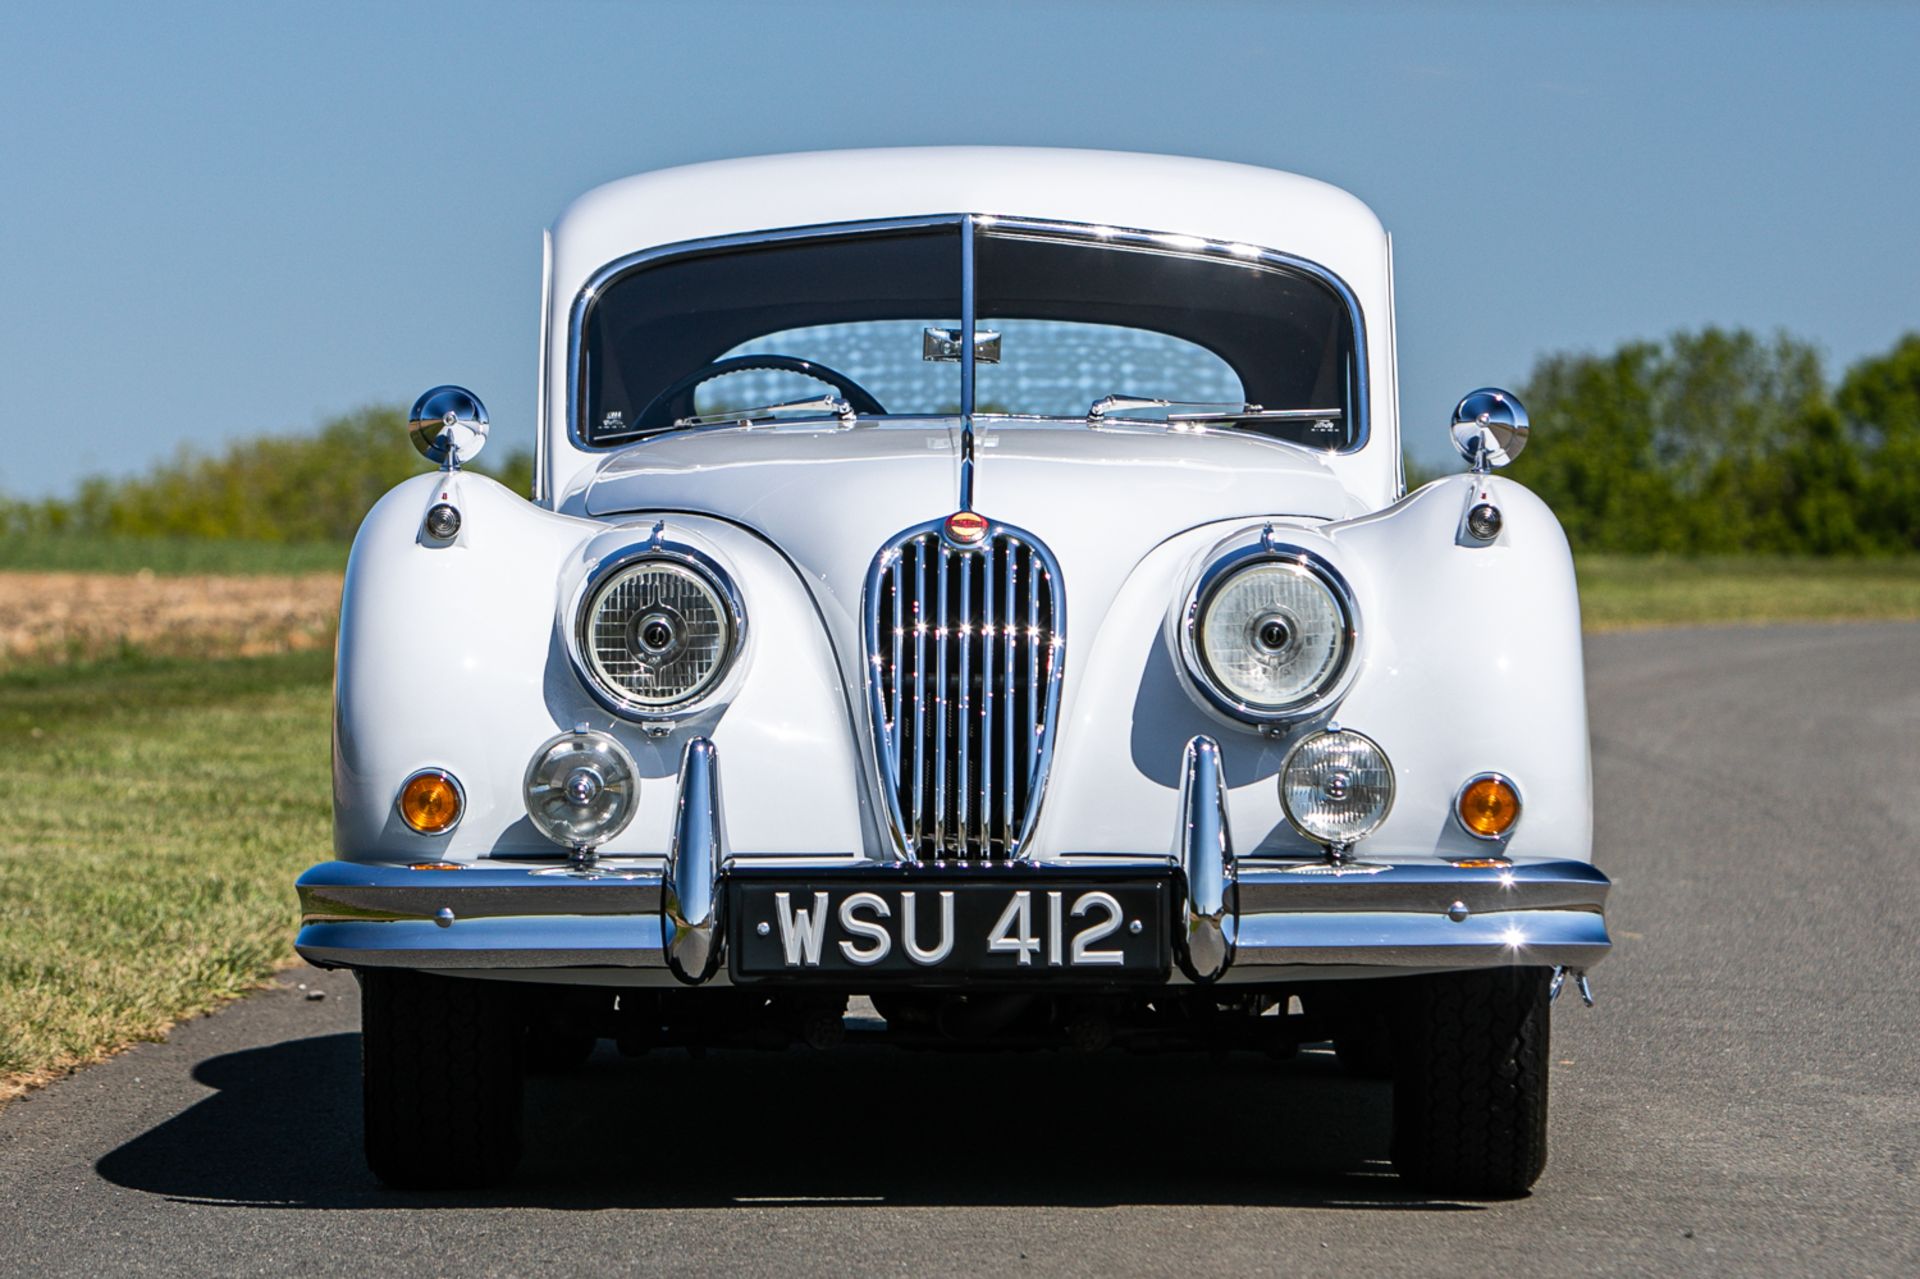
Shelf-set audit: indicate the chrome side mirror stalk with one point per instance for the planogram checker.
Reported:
(448, 425)
(1489, 428)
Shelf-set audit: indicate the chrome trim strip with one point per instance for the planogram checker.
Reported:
(371, 893)
(657, 548)
(1187, 632)
(542, 416)
(603, 941)
(1428, 887)
(336, 891)
(691, 904)
(1575, 938)
(1491, 776)
(968, 361)
(1204, 944)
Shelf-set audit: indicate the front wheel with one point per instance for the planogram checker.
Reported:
(441, 1068)
(1470, 1082)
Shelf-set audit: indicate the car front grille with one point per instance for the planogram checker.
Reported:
(964, 649)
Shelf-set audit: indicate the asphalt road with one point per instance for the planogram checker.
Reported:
(1744, 1099)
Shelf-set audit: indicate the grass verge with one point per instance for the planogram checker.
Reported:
(1623, 592)
(166, 556)
(157, 812)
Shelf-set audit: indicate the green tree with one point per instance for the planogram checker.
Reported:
(1879, 409)
(308, 488)
(1712, 442)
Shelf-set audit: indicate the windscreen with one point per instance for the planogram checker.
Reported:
(1081, 318)
(1064, 317)
(855, 305)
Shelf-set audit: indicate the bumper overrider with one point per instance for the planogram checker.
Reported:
(1231, 920)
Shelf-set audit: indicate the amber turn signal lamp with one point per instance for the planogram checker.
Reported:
(430, 802)
(1488, 807)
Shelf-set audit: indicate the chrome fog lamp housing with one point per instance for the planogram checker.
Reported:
(1336, 787)
(581, 789)
(657, 631)
(1268, 633)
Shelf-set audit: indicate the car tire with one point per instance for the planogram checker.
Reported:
(1470, 1083)
(441, 1071)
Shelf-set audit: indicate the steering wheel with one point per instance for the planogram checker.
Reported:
(676, 401)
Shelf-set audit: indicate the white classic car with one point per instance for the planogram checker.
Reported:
(1022, 537)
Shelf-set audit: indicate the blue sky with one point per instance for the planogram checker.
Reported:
(218, 221)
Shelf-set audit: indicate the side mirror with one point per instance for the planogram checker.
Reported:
(449, 426)
(1489, 428)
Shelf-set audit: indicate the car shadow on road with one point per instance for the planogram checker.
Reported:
(855, 1126)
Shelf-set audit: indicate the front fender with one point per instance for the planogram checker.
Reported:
(1469, 660)
(454, 656)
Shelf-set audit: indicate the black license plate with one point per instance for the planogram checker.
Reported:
(942, 926)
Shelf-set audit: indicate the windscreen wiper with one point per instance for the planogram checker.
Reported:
(770, 412)
(1211, 411)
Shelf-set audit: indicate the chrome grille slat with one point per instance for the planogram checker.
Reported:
(893, 707)
(985, 835)
(964, 776)
(1034, 726)
(962, 718)
(941, 696)
(1006, 719)
(919, 688)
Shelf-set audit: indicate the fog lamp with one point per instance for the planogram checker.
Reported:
(581, 789)
(1488, 806)
(1337, 787)
(430, 801)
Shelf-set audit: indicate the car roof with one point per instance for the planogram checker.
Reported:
(1211, 199)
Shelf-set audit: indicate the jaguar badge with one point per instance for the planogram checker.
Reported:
(966, 527)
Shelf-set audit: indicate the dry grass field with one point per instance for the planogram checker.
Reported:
(51, 618)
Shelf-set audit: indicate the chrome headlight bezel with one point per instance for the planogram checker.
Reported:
(710, 574)
(1217, 574)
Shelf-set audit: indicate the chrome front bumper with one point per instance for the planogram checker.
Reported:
(658, 921)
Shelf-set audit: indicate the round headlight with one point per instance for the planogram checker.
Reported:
(658, 634)
(1270, 636)
(1337, 787)
(581, 789)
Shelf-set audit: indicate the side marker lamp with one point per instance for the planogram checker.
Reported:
(443, 521)
(431, 801)
(1484, 522)
(1488, 807)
